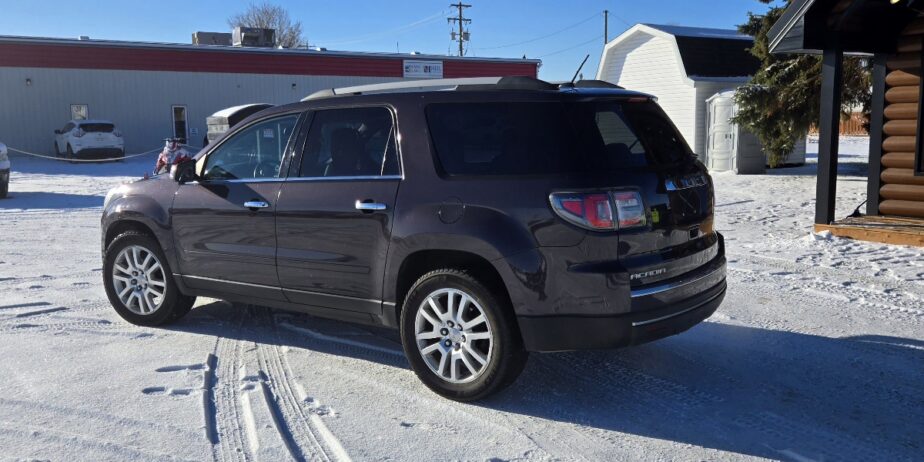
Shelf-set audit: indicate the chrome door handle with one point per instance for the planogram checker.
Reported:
(256, 204)
(369, 206)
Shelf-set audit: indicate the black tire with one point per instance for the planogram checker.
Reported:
(70, 153)
(507, 357)
(175, 305)
(4, 189)
(57, 152)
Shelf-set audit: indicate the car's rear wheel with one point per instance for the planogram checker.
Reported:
(139, 282)
(460, 337)
(4, 188)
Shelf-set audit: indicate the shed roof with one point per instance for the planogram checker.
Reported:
(701, 32)
(717, 57)
(706, 53)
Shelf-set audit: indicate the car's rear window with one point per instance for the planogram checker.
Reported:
(97, 128)
(556, 137)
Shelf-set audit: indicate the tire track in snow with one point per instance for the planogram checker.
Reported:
(893, 297)
(499, 422)
(18, 325)
(281, 394)
(227, 440)
(92, 448)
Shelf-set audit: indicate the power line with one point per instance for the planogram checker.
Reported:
(595, 38)
(365, 38)
(536, 39)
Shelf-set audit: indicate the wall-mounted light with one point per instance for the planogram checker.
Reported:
(293, 86)
(28, 82)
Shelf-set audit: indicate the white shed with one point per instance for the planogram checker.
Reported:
(683, 67)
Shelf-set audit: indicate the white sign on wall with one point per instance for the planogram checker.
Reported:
(423, 69)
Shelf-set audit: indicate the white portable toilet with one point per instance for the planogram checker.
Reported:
(729, 146)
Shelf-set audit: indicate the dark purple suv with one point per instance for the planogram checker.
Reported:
(484, 218)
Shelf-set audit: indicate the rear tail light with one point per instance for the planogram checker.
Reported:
(630, 209)
(79, 133)
(600, 211)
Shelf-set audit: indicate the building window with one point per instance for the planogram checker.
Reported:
(80, 112)
(180, 129)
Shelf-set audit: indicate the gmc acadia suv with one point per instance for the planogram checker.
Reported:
(483, 218)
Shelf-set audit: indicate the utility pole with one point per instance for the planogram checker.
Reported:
(606, 26)
(462, 35)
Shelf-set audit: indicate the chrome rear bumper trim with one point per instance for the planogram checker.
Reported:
(672, 315)
(653, 290)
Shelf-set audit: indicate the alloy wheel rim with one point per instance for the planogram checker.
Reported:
(139, 280)
(453, 335)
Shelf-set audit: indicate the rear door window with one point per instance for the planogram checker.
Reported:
(551, 138)
(351, 142)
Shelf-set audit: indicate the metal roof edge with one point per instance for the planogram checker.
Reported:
(793, 13)
(258, 50)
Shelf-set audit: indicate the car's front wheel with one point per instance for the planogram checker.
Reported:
(460, 337)
(139, 282)
(4, 188)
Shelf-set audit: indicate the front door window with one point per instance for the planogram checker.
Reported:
(254, 152)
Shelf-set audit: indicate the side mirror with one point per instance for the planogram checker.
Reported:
(184, 172)
(57, 132)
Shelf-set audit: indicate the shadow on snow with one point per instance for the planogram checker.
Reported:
(747, 390)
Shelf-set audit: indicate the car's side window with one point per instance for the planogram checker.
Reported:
(255, 152)
(353, 142)
(67, 128)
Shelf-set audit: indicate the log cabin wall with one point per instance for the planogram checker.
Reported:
(901, 192)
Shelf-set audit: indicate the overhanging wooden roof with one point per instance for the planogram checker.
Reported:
(858, 26)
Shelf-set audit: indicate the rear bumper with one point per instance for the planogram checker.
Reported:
(99, 153)
(563, 333)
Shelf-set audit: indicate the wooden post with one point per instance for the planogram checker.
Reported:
(828, 127)
(876, 121)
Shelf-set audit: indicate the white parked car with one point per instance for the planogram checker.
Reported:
(89, 139)
(4, 171)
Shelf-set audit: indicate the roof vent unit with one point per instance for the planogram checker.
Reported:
(253, 37)
(84, 37)
(211, 38)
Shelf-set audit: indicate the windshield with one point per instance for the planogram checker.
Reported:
(549, 138)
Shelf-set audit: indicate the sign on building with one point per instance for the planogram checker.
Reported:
(423, 69)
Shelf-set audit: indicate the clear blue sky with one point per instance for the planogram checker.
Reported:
(405, 25)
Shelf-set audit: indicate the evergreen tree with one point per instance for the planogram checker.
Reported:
(783, 98)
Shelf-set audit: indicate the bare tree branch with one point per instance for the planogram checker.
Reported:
(268, 16)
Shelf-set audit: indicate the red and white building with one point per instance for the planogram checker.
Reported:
(157, 90)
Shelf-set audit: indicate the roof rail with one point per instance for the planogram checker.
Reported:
(469, 83)
(596, 84)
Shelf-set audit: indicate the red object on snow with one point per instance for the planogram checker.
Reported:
(173, 154)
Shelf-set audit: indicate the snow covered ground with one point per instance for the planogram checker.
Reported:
(816, 354)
